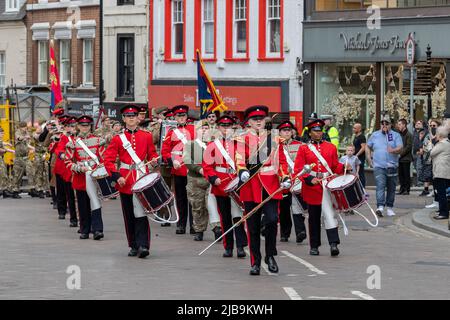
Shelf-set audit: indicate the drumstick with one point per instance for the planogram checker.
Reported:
(145, 164)
(345, 169)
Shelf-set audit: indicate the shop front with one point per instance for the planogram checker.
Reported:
(359, 74)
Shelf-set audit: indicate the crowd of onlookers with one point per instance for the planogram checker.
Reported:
(391, 151)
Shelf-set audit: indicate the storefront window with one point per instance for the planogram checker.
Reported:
(347, 91)
(333, 5)
(397, 90)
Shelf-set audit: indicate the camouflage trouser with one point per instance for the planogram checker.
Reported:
(19, 168)
(197, 195)
(41, 173)
(4, 178)
(30, 170)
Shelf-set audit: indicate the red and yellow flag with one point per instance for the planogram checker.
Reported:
(57, 97)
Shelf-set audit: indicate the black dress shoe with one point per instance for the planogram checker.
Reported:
(228, 253)
(143, 252)
(217, 232)
(334, 250)
(255, 270)
(133, 252)
(61, 216)
(198, 236)
(439, 217)
(314, 251)
(284, 239)
(272, 264)
(98, 235)
(241, 252)
(73, 224)
(84, 236)
(300, 237)
(180, 230)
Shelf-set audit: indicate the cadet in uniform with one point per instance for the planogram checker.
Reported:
(288, 203)
(313, 185)
(105, 132)
(197, 185)
(172, 154)
(81, 163)
(4, 177)
(20, 159)
(139, 144)
(262, 167)
(220, 169)
(40, 165)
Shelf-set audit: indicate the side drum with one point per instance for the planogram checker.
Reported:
(105, 184)
(347, 192)
(152, 192)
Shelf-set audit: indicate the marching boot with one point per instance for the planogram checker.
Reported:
(180, 230)
(241, 252)
(314, 251)
(228, 253)
(272, 264)
(142, 252)
(255, 270)
(300, 237)
(334, 250)
(84, 236)
(198, 236)
(217, 232)
(73, 224)
(133, 252)
(98, 235)
(284, 239)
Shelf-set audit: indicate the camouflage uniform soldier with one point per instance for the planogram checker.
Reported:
(21, 157)
(105, 131)
(30, 167)
(197, 185)
(4, 177)
(41, 177)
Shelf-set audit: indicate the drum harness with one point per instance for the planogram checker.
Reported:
(91, 189)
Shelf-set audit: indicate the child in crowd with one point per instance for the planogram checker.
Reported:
(351, 159)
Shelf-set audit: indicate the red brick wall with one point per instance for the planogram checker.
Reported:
(57, 15)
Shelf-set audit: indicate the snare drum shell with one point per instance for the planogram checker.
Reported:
(349, 196)
(153, 195)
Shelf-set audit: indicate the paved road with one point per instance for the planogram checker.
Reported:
(37, 249)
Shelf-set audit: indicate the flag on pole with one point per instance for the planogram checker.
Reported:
(57, 98)
(210, 101)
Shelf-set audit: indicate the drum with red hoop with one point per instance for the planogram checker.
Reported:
(152, 192)
(347, 192)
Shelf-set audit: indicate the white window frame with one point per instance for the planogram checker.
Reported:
(272, 5)
(237, 19)
(177, 19)
(65, 79)
(2, 70)
(12, 5)
(42, 61)
(85, 61)
(208, 20)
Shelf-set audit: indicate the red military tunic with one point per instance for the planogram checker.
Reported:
(274, 170)
(313, 194)
(172, 148)
(213, 160)
(141, 142)
(76, 157)
(60, 150)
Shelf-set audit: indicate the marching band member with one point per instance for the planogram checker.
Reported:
(197, 185)
(324, 155)
(261, 165)
(64, 191)
(288, 203)
(220, 168)
(133, 147)
(172, 154)
(82, 156)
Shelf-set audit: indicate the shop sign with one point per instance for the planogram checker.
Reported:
(410, 50)
(372, 43)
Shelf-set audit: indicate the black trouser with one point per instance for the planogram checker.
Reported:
(441, 186)
(362, 174)
(404, 176)
(285, 216)
(89, 221)
(184, 208)
(226, 222)
(270, 210)
(315, 213)
(137, 229)
(65, 194)
(53, 193)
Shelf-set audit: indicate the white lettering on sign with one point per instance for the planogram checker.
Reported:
(188, 98)
(372, 43)
(230, 100)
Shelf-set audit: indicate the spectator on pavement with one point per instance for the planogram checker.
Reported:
(429, 142)
(351, 159)
(440, 156)
(417, 145)
(360, 150)
(404, 168)
(386, 145)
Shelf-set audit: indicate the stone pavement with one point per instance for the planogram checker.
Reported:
(37, 250)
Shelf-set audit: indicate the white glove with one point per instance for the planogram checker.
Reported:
(286, 184)
(245, 176)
